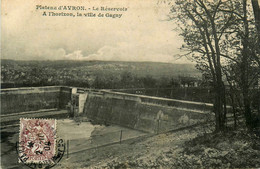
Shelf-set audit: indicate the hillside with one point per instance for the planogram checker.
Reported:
(63, 71)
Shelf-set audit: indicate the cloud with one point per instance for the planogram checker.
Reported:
(126, 52)
(76, 55)
(139, 35)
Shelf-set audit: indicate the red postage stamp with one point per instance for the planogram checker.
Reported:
(37, 140)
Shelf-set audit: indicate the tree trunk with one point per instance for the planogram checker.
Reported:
(244, 69)
(219, 106)
(256, 9)
(248, 114)
(220, 87)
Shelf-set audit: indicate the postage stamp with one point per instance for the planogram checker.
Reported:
(37, 140)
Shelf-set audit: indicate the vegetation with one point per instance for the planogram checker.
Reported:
(223, 38)
(96, 74)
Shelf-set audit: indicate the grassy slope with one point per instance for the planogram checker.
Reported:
(189, 148)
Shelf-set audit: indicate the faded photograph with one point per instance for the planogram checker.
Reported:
(130, 84)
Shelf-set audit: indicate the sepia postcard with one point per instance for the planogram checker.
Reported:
(130, 84)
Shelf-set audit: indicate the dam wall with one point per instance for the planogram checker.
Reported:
(16, 100)
(149, 114)
(140, 112)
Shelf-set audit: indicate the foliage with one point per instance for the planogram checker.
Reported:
(221, 37)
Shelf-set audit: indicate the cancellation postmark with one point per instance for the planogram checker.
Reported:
(37, 141)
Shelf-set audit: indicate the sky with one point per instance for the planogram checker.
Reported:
(141, 34)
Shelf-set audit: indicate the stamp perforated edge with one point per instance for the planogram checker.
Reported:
(55, 137)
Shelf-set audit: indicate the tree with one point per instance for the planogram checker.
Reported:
(127, 79)
(222, 38)
(256, 9)
(248, 58)
(203, 25)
